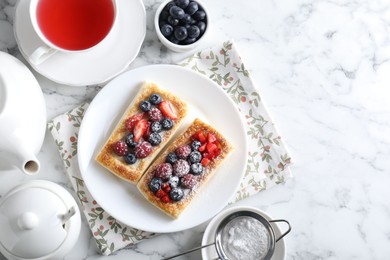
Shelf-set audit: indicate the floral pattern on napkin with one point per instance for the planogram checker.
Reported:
(110, 234)
(268, 159)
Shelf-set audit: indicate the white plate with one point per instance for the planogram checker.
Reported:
(207, 101)
(100, 64)
(209, 253)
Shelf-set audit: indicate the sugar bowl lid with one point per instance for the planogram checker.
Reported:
(38, 220)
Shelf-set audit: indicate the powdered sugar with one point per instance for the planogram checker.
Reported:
(245, 238)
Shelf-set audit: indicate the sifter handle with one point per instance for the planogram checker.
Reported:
(189, 251)
(285, 233)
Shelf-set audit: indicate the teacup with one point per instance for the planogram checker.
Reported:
(71, 25)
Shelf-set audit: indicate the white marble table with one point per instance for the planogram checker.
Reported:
(323, 69)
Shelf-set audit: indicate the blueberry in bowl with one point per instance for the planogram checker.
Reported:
(181, 24)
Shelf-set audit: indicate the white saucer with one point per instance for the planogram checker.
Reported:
(100, 64)
(209, 253)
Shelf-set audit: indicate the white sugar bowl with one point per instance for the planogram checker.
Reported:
(38, 220)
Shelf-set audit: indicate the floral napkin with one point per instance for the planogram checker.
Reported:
(268, 160)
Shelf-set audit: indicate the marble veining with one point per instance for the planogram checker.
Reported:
(323, 70)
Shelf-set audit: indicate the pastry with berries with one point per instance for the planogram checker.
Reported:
(184, 168)
(148, 123)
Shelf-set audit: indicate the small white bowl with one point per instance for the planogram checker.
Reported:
(210, 252)
(176, 47)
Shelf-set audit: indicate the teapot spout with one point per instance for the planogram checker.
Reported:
(26, 161)
(31, 167)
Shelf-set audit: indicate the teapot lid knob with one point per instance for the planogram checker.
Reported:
(28, 221)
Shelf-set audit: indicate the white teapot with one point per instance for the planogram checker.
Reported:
(39, 220)
(22, 116)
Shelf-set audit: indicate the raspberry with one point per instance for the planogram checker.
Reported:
(181, 168)
(120, 148)
(188, 181)
(164, 171)
(142, 150)
(155, 115)
(183, 151)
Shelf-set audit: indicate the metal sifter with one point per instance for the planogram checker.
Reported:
(224, 238)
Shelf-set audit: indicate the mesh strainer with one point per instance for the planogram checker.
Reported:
(225, 253)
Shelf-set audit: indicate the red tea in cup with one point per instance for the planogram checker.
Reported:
(75, 25)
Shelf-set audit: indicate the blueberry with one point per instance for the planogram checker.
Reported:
(189, 40)
(130, 158)
(156, 127)
(167, 124)
(199, 15)
(173, 39)
(174, 181)
(195, 145)
(173, 21)
(145, 106)
(171, 158)
(164, 15)
(192, 8)
(180, 33)
(193, 31)
(154, 139)
(195, 157)
(196, 168)
(176, 194)
(176, 12)
(155, 184)
(193, 21)
(202, 26)
(186, 19)
(166, 30)
(155, 99)
(130, 141)
(168, 6)
(182, 3)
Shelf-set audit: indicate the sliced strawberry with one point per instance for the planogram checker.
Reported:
(160, 193)
(216, 153)
(165, 187)
(201, 137)
(166, 199)
(210, 148)
(168, 110)
(207, 155)
(202, 148)
(211, 138)
(140, 129)
(147, 132)
(132, 121)
(205, 161)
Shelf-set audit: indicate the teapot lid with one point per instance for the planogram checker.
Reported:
(32, 220)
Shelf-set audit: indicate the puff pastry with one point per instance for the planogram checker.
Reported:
(183, 169)
(115, 154)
